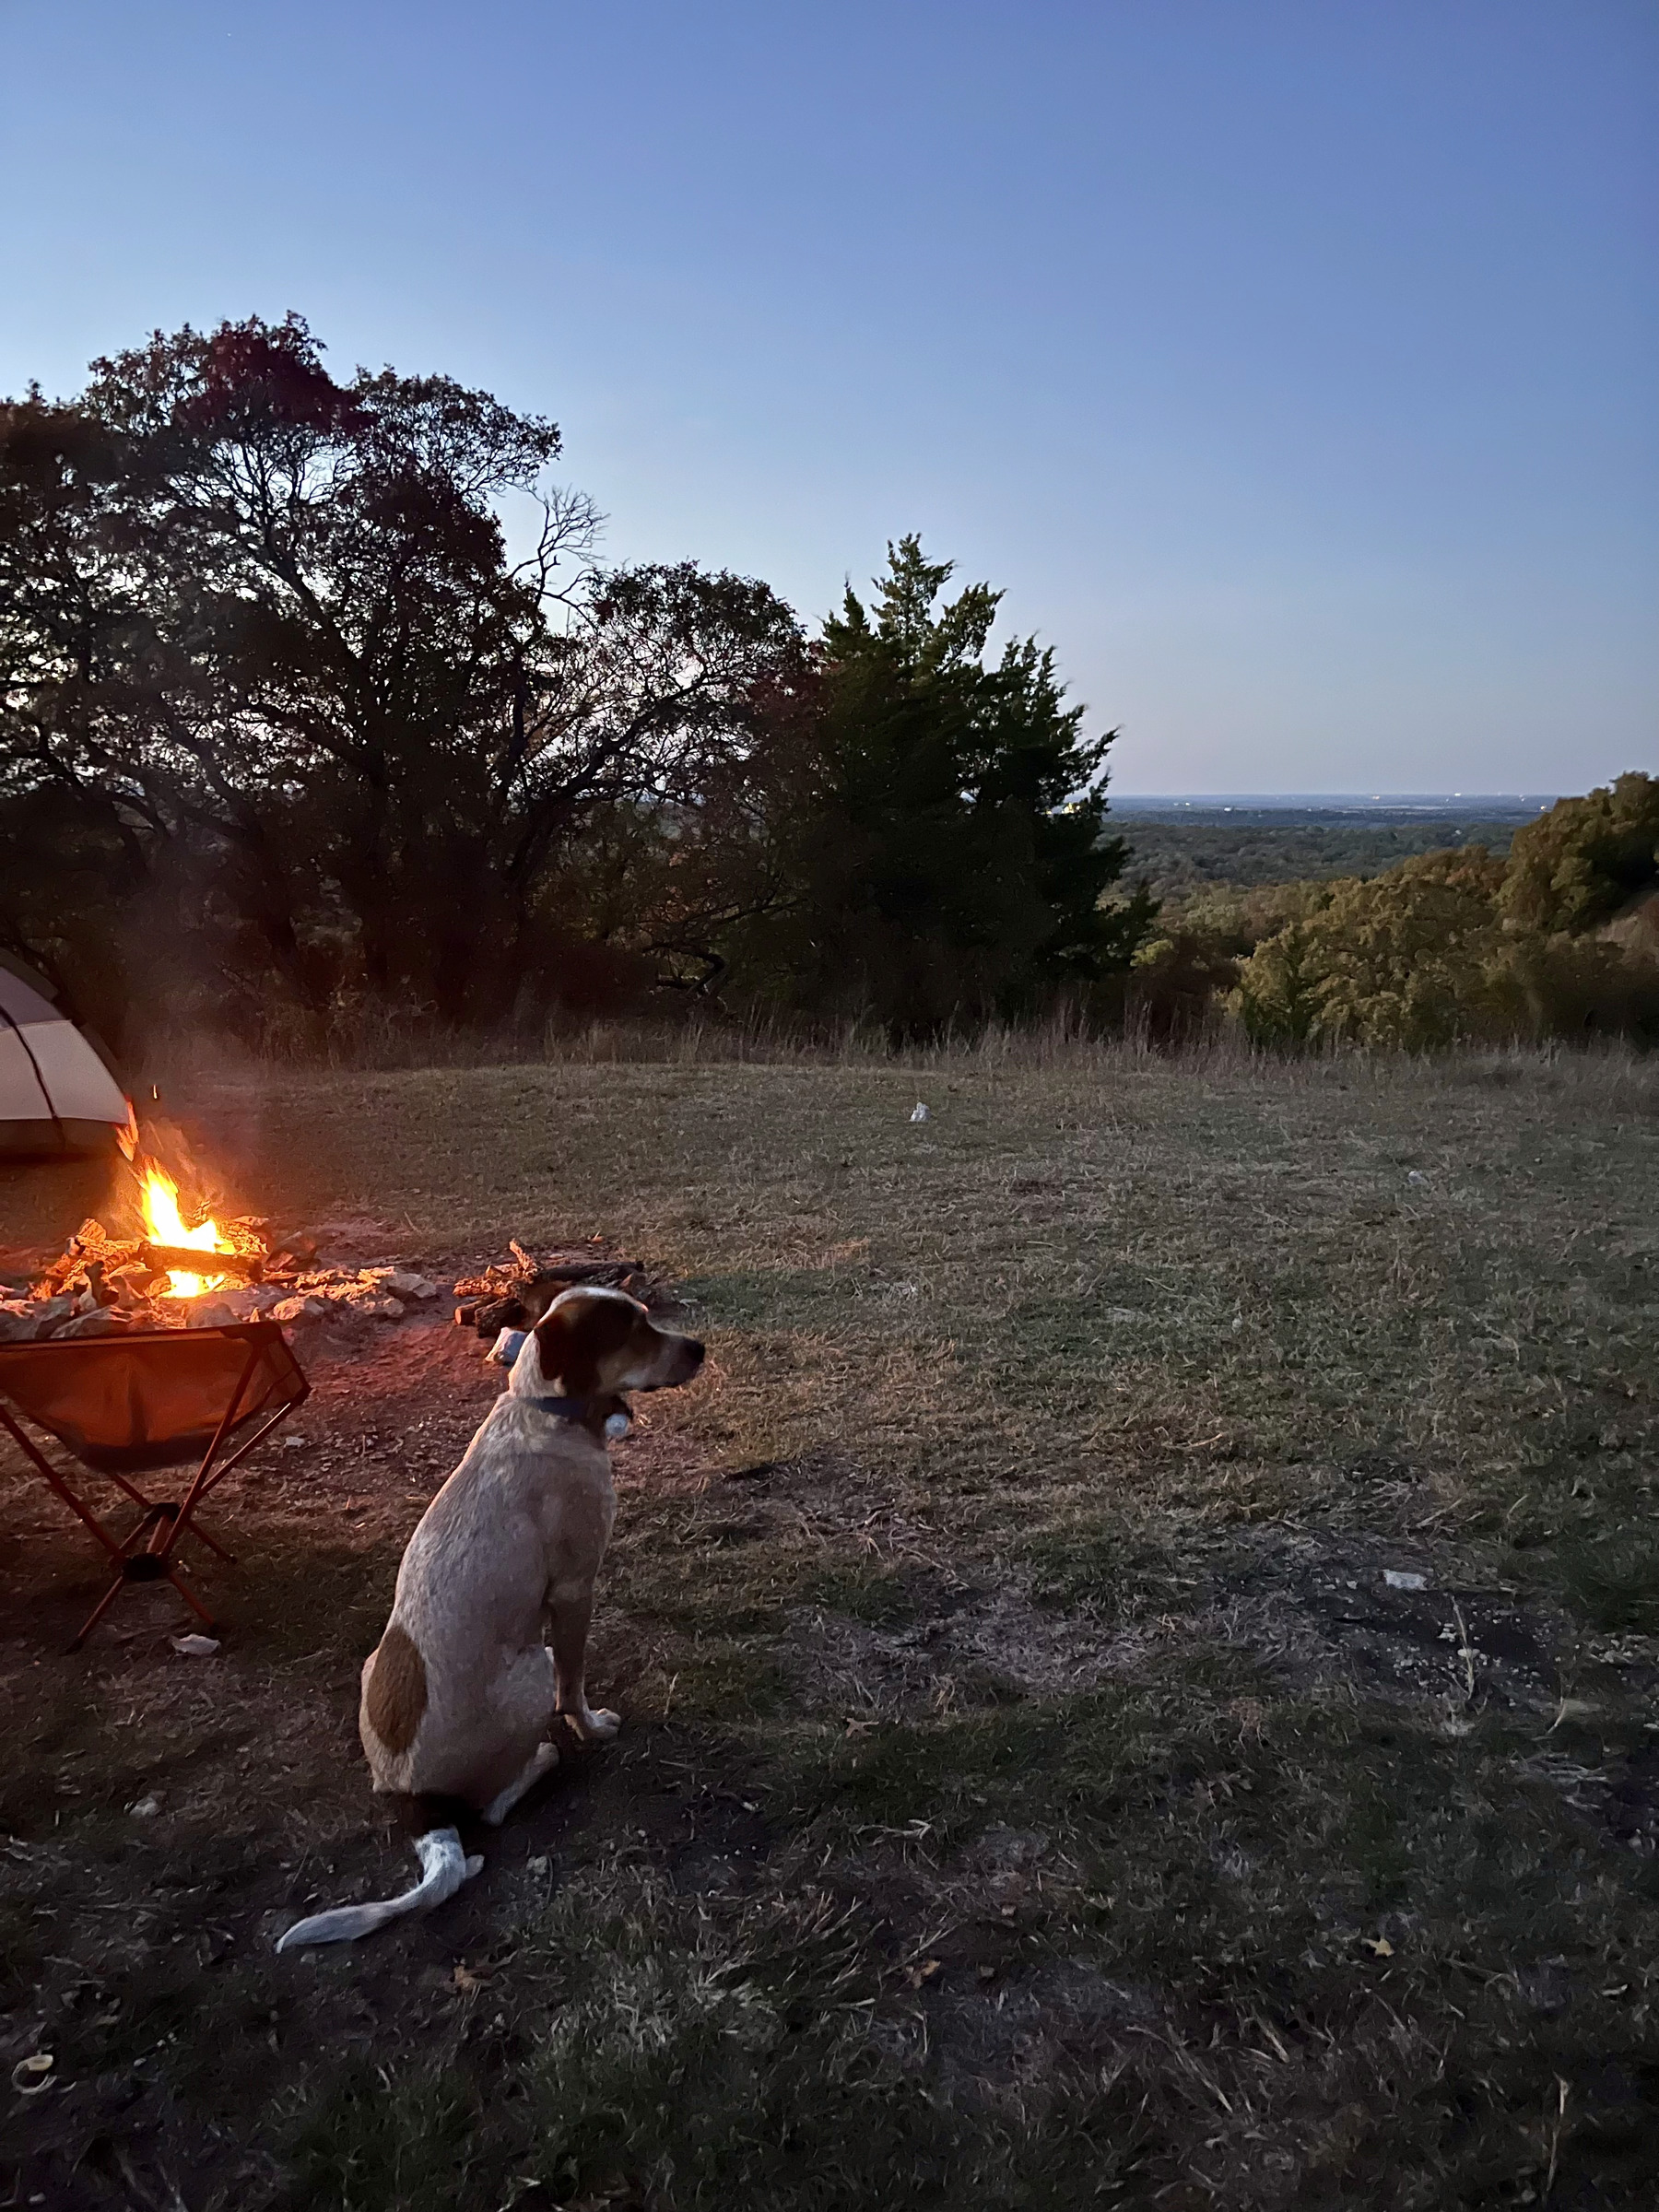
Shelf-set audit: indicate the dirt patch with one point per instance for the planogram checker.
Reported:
(1310, 1613)
(972, 1646)
(1316, 1606)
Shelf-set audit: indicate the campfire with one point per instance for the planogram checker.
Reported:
(179, 1265)
(185, 1268)
(167, 1233)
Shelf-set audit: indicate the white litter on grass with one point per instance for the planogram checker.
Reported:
(1415, 1177)
(145, 1808)
(294, 1444)
(196, 1647)
(1403, 1578)
(919, 1113)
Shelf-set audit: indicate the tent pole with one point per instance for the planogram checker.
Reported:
(63, 1136)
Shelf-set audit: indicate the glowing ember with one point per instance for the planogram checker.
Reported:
(163, 1224)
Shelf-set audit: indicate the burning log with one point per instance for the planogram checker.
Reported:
(176, 1273)
(167, 1259)
(170, 1262)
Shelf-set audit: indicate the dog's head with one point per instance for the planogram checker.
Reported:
(604, 1344)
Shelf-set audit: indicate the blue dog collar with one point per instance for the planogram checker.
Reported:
(578, 1409)
(568, 1409)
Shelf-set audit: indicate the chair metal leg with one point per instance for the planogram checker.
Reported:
(201, 1535)
(193, 1497)
(114, 1590)
(191, 1600)
(168, 1515)
(98, 1612)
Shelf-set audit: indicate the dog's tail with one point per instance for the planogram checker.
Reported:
(443, 1867)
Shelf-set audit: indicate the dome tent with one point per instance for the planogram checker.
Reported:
(56, 1092)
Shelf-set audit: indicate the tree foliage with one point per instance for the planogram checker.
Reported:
(1578, 863)
(946, 845)
(1398, 959)
(262, 640)
(1433, 952)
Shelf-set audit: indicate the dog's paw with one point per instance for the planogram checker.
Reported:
(597, 1727)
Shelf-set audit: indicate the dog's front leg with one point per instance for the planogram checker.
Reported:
(572, 1607)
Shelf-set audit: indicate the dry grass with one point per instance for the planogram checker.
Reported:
(1032, 1793)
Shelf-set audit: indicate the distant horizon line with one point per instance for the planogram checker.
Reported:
(1540, 793)
(1363, 798)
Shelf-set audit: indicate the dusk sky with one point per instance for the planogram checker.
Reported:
(1291, 362)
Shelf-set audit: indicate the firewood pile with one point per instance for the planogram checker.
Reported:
(100, 1284)
(514, 1294)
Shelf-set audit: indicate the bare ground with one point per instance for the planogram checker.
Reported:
(1032, 1792)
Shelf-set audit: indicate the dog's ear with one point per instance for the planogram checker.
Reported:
(573, 1339)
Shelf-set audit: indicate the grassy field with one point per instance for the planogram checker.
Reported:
(1032, 1792)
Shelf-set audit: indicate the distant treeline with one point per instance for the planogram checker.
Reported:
(286, 730)
(1177, 859)
(1559, 938)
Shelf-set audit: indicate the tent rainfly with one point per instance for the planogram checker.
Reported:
(56, 1095)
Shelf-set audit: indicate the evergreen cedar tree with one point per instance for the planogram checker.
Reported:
(951, 861)
(283, 723)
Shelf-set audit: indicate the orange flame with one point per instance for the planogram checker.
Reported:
(163, 1224)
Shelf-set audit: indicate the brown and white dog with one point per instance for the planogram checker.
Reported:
(461, 1698)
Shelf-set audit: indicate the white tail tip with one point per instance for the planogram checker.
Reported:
(443, 1867)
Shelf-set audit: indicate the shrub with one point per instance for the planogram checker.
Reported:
(1402, 960)
(1182, 974)
(1426, 955)
(1573, 987)
(1579, 865)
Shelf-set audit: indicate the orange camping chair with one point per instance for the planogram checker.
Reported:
(124, 1405)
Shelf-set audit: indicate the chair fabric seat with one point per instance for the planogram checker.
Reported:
(124, 1404)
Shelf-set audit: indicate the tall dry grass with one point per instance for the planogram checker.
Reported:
(382, 1038)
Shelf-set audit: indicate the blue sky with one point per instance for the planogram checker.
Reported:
(1291, 362)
